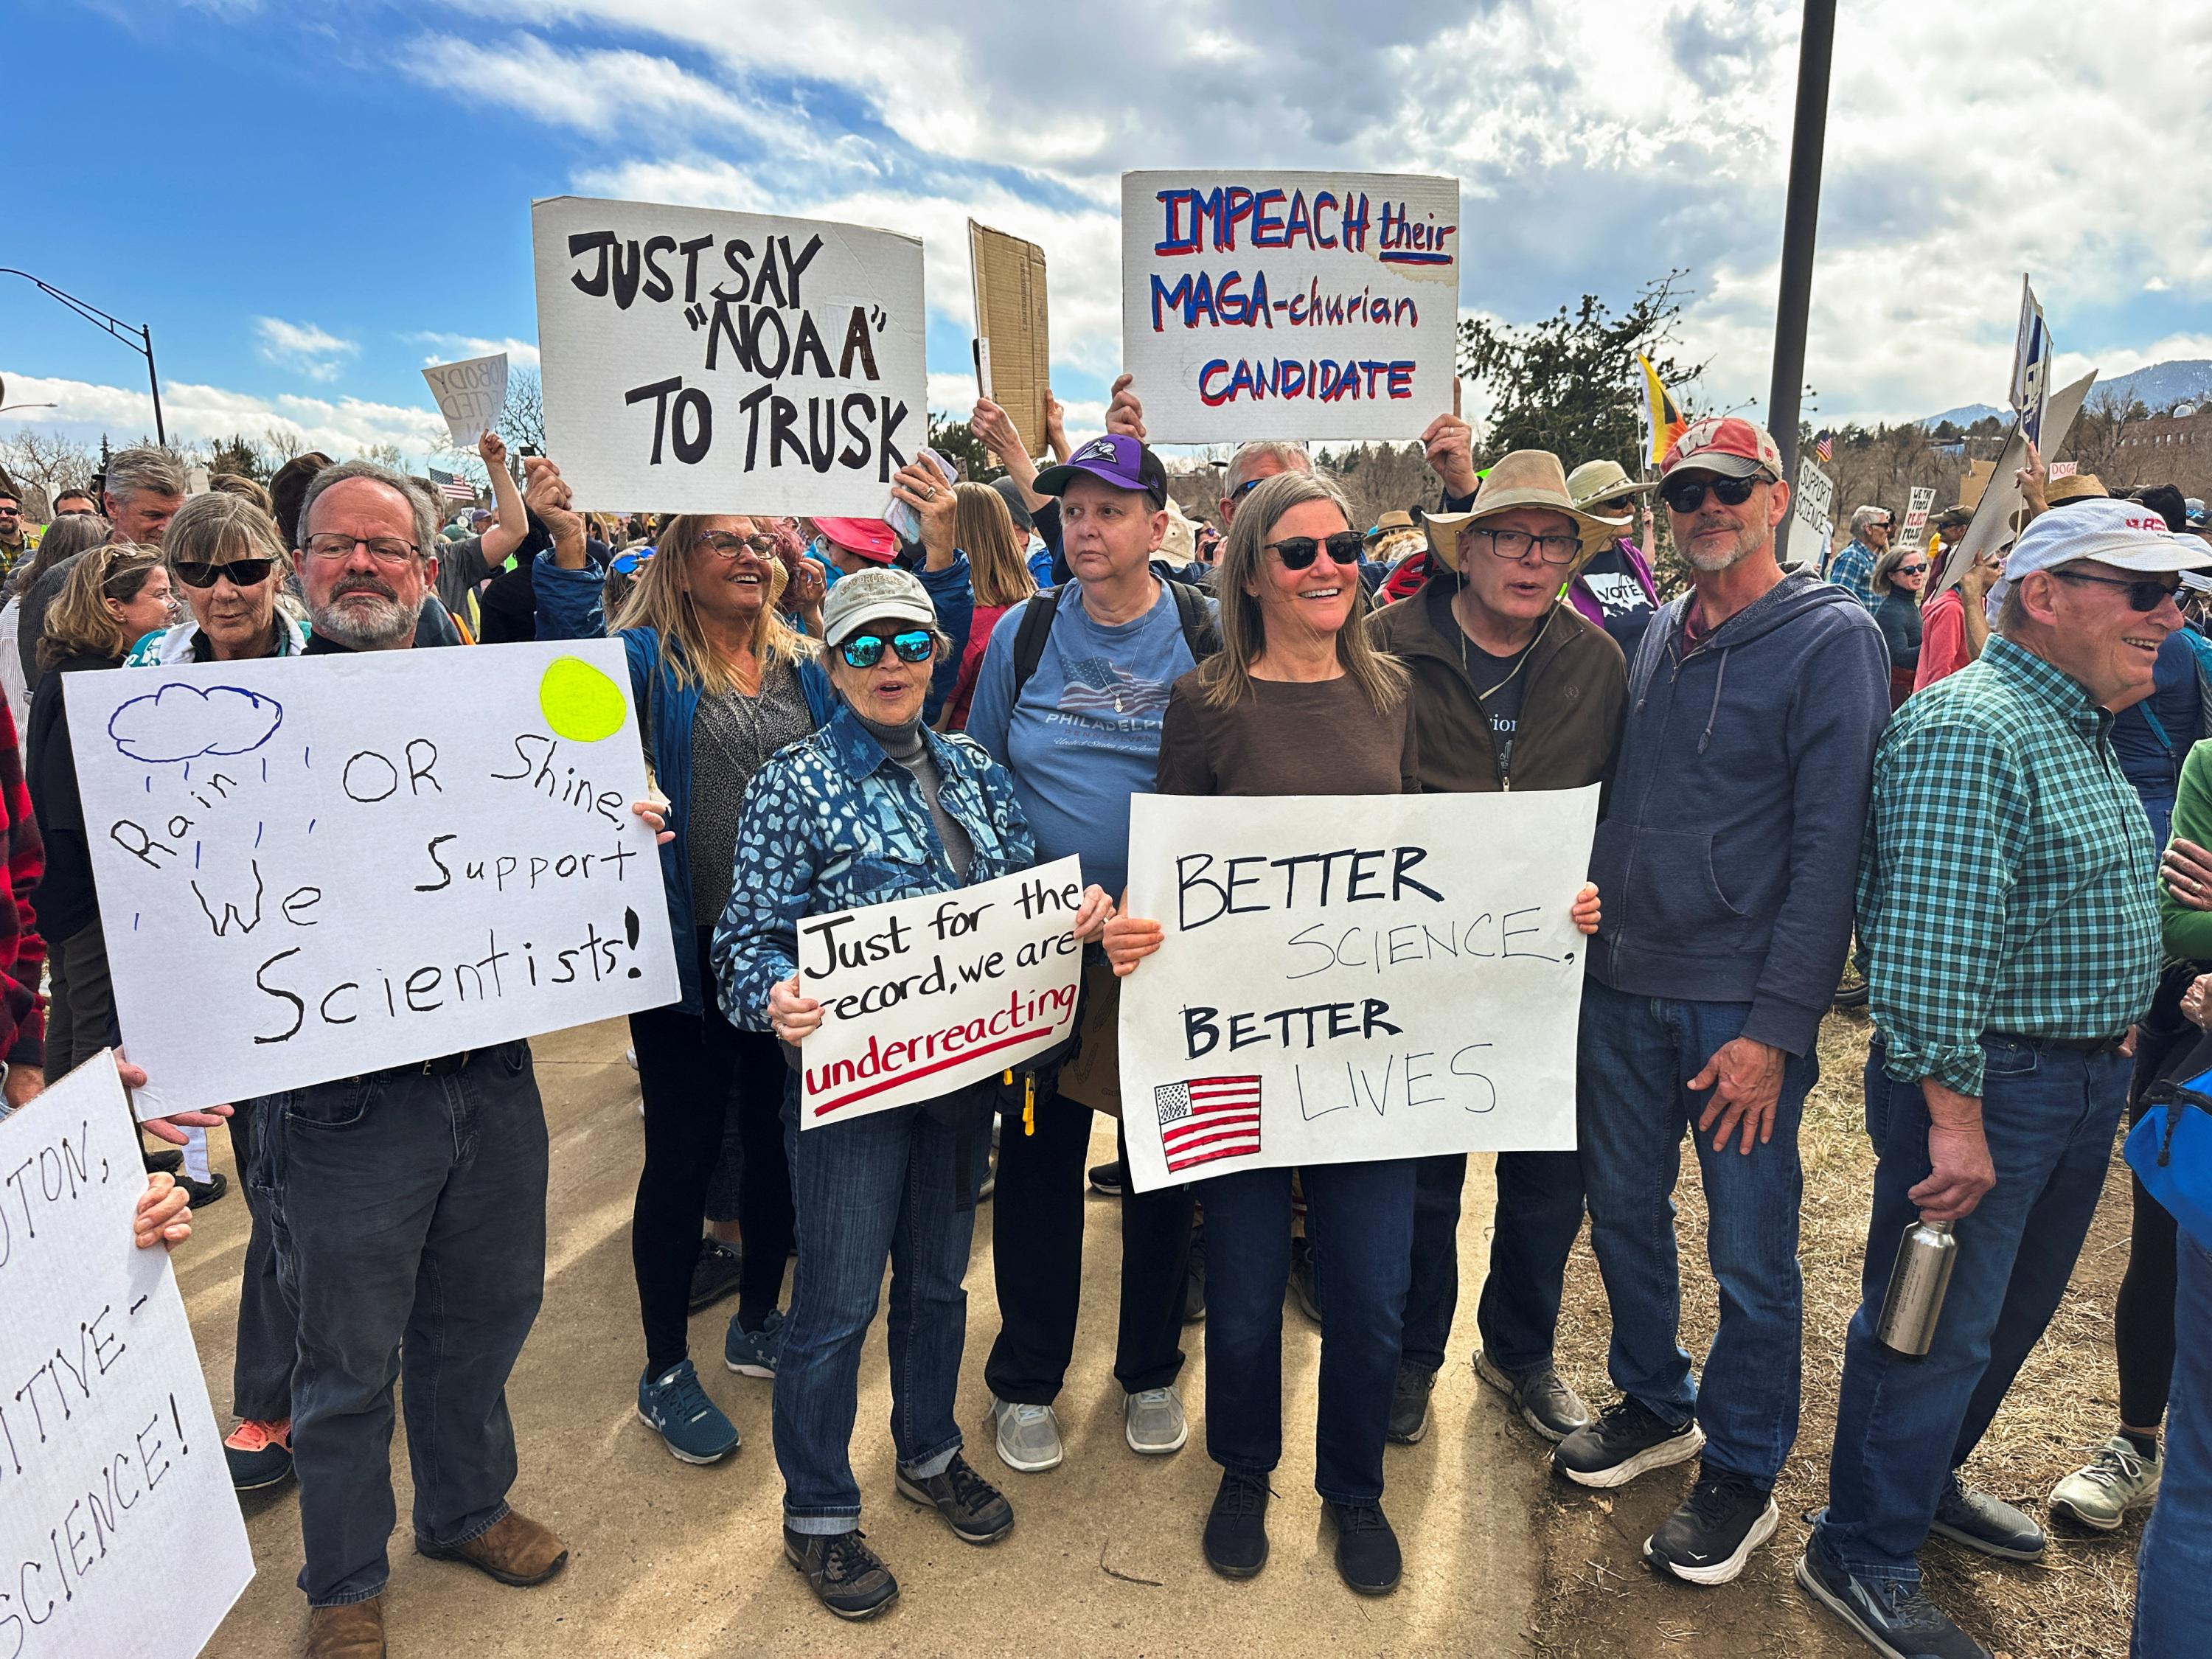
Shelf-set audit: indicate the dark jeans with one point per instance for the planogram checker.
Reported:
(1902, 1426)
(2176, 1563)
(1360, 1218)
(81, 1001)
(409, 1219)
(267, 1335)
(2142, 1313)
(1540, 1211)
(1037, 1245)
(696, 1072)
(1633, 1101)
(886, 1186)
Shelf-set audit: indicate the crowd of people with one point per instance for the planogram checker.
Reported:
(837, 712)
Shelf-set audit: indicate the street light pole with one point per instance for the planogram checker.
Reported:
(1801, 218)
(139, 339)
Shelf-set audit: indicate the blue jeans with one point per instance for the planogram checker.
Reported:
(2176, 1563)
(1632, 1102)
(886, 1185)
(1902, 1426)
(408, 1214)
(1359, 1218)
(1540, 1211)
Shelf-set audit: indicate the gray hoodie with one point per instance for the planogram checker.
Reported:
(1726, 860)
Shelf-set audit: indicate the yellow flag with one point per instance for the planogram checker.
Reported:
(1662, 422)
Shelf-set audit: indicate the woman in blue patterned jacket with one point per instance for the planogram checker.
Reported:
(872, 807)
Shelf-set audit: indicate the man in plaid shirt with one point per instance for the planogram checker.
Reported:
(2006, 908)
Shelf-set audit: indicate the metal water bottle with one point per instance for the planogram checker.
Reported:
(1917, 1285)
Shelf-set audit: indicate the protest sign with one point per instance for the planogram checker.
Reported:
(1013, 347)
(922, 995)
(2064, 470)
(314, 867)
(1999, 498)
(471, 395)
(695, 360)
(1307, 305)
(1316, 1002)
(120, 1533)
(1916, 515)
(2031, 351)
(1814, 503)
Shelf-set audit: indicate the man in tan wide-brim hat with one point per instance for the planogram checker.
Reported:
(1510, 689)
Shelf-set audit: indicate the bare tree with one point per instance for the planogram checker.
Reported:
(522, 423)
(48, 461)
(385, 454)
(277, 445)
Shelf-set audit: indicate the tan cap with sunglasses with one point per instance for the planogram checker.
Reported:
(1526, 478)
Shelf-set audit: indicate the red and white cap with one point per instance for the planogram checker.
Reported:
(2126, 535)
(1725, 445)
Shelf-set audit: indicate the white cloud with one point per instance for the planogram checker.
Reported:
(453, 347)
(340, 426)
(314, 352)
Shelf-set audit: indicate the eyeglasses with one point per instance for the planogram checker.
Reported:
(241, 573)
(387, 551)
(1516, 544)
(867, 650)
(1297, 552)
(1688, 495)
(2142, 596)
(724, 544)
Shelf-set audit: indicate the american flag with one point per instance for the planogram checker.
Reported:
(1097, 686)
(452, 487)
(1207, 1118)
(1825, 448)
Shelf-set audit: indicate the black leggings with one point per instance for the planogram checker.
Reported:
(693, 1069)
(2142, 1317)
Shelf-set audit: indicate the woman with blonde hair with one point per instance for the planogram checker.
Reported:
(998, 575)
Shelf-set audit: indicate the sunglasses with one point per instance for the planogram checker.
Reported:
(867, 650)
(2143, 596)
(1913, 570)
(1297, 552)
(241, 573)
(1688, 495)
(629, 563)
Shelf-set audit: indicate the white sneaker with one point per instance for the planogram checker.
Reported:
(1152, 1422)
(1028, 1436)
(2115, 1479)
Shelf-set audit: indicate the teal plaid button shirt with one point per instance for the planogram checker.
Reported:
(2008, 878)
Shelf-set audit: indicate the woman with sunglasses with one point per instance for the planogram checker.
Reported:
(1901, 574)
(875, 806)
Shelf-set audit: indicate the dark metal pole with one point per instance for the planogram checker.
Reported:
(1801, 218)
(161, 432)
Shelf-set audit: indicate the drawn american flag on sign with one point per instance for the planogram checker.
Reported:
(1207, 1118)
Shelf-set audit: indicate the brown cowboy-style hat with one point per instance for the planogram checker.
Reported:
(1526, 478)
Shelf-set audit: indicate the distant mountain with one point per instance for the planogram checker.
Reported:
(2157, 386)
(1964, 418)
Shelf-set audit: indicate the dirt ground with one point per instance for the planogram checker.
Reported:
(671, 1560)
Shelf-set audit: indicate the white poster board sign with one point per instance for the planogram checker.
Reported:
(1301, 305)
(2032, 353)
(922, 995)
(311, 867)
(1812, 504)
(471, 395)
(695, 360)
(1991, 532)
(1916, 515)
(1346, 979)
(120, 1533)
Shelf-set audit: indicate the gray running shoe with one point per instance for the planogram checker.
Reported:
(1028, 1436)
(1152, 1422)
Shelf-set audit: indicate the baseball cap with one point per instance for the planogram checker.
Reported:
(1121, 462)
(2126, 535)
(888, 595)
(1727, 444)
(1018, 509)
(872, 538)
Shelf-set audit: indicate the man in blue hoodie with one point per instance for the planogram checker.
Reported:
(1727, 861)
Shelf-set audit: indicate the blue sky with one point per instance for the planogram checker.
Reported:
(309, 200)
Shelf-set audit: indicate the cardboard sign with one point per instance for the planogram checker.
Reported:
(471, 395)
(702, 361)
(1916, 515)
(1013, 347)
(1343, 981)
(312, 868)
(1999, 498)
(1301, 305)
(118, 1529)
(922, 995)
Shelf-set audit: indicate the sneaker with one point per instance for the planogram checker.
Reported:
(1236, 1542)
(259, 1454)
(754, 1353)
(1409, 1405)
(1545, 1401)
(201, 1194)
(2115, 1479)
(714, 1274)
(1193, 1288)
(675, 1408)
(846, 1576)
(1108, 1179)
(1893, 1617)
(1707, 1541)
(1152, 1422)
(1986, 1524)
(167, 1162)
(630, 1059)
(1367, 1557)
(1028, 1435)
(971, 1506)
(1624, 1441)
(1303, 1292)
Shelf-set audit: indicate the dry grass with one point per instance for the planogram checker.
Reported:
(1599, 1602)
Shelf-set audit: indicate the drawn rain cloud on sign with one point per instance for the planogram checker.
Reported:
(182, 723)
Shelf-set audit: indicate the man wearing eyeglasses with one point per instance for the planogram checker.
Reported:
(1852, 569)
(1725, 862)
(2006, 908)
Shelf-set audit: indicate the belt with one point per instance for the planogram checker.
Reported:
(443, 1065)
(2105, 1045)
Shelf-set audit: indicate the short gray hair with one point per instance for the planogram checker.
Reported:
(1291, 458)
(218, 527)
(1866, 515)
(425, 510)
(144, 468)
(2012, 612)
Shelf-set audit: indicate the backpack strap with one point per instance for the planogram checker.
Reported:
(1030, 637)
(1198, 632)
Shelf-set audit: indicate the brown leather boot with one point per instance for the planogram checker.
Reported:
(355, 1631)
(514, 1549)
